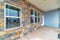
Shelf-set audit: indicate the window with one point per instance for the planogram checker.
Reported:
(35, 17)
(11, 12)
(32, 17)
(35, 13)
(13, 16)
(38, 17)
(12, 22)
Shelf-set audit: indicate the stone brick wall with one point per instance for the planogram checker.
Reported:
(26, 28)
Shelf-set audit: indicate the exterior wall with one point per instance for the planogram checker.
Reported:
(51, 19)
(1, 16)
(17, 33)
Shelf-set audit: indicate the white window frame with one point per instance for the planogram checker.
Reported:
(12, 17)
(35, 16)
(38, 17)
(31, 16)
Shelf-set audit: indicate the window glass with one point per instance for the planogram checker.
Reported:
(31, 19)
(31, 12)
(12, 22)
(12, 16)
(38, 14)
(35, 19)
(35, 16)
(38, 19)
(10, 12)
(35, 13)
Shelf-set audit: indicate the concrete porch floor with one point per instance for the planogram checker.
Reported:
(43, 33)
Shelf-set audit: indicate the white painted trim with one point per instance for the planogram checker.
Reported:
(12, 5)
(4, 17)
(43, 20)
(34, 14)
(12, 17)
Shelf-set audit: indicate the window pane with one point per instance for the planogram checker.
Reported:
(12, 11)
(35, 13)
(38, 14)
(31, 19)
(31, 12)
(38, 19)
(12, 22)
(35, 19)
